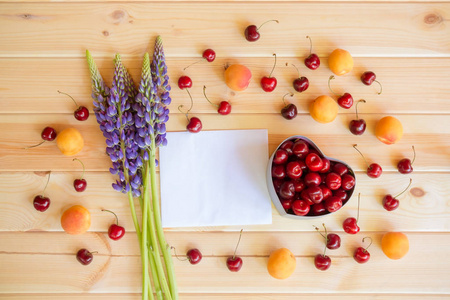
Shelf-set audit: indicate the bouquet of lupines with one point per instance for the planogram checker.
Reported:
(133, 122)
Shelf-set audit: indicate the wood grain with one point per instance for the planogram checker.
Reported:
(31, 85)
(55, 30)
(109, 273)
(423, 208)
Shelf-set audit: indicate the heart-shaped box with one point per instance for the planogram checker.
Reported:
(270, 185)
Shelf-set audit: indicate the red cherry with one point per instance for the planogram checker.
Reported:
(373, 170)
(312, 179)
(300, 84)
(209, 55)
(314, 162)
(287, 146)
(80, 184)
(194, 256)
(347, 182)
(300, 148)
(289, 111)
(234, 263)
(358, 126)
(312, 61)
(333, 203)
(48, 134)
(345, 100)
(40, 202)
(269, 83)
(315, 194)
(326, 165)
(294, 171)
(404, 166)
(361, 255)
(280, 157)
(84, 256)
(278, 171)
(287, 190)
(224, 108)
(350, 226)
(333, 241)
(252, 32)
(333, 181)
(194, 125)
(341, 194)
(318, 209)
(81, 113)
(184, 82)
(322, 262)
(326, 192)
(286, 203)
(369, 77)
(300, 207)
(277, 183)
(115, 232)
(391, 203)
(340, 169)
(299, 185)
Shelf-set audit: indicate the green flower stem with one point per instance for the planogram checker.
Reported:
(159, 231)
(153, 238)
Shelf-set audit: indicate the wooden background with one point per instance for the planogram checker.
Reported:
(406, 43)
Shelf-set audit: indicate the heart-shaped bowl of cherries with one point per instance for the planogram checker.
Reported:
(305, 183)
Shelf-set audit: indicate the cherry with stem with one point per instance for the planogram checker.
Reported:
(269, 83)
(312, 61)
(289, 111)
(115, 232)
(194, 124)
(350, 225)
(81, 113)
(358, 126)
(40, 202)
(373, 170)
(333, 240)
(47, 134)
(252, 32)
(391, 203)
(234, 263)
(209, 55)
(322, 261)
(404, 166)
(345, 100)
(80, 184)
(301, 83)
(369, 77)
(361, 254)
(224, 108)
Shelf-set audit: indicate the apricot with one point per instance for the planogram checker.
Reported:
(395, 245)
(281, 263)
(340, 62)
(76, 220)
(237, 77)
(70, 141)
(389, 130)
(324, 109)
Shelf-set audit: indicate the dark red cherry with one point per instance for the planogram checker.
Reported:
(194, 256)
(48, 134)
(84, 256)
(184, 82)
(252, 32)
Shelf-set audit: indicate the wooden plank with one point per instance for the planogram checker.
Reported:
(67, 29)
(31, 85)
(120, 274)
(429, 133)
(423, 208)
(247, 296)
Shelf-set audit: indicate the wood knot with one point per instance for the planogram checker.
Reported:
(118, 14)
(42, 173)
(432, 19)
(105, 33)
(417, 192)
(26, 16)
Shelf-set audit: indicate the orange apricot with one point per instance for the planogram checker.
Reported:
(340, 62)
(237, 77)
(76, 220)
(70, 141)
(395, 245)
(281, 263)
(324, 109)
(389, 130)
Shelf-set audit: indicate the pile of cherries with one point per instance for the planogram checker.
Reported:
(307, 183)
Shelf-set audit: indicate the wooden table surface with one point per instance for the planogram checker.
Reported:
(406, 43)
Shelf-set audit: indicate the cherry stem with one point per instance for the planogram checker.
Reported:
(82, 175)
(318, 230)
(257, 29)
(356, 106)
(69, 96)
(414, 158)
(193, 64)
(35, 145)
(310, 44)
(329, 85)
(93, 252)
(192, 104)
(285, 96)
(204, 93)
(357, 214)
(275, 63)
(176, 255)
(410, 181)
(297, 70)
(367, 237)
(381, 87)
(117, 219)
(354, 146)
(48, 179)
(240, 235)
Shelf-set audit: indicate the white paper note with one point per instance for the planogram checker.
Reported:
(215, 178)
